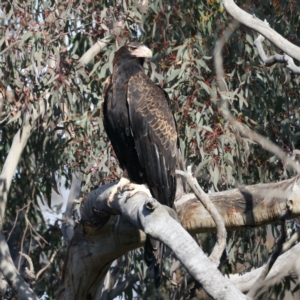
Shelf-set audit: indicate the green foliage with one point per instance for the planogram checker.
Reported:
(70, 136)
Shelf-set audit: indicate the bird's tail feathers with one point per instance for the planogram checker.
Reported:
(153, 255)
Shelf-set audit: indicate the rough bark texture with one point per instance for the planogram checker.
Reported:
(253, 205)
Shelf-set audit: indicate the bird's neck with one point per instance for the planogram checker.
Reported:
(126, 69)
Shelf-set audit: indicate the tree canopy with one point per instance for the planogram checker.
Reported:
(54, 59)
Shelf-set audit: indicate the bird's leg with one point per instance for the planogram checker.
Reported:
(136, 188)
(125, 185)
(120, 186)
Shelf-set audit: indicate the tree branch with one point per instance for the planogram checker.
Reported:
(31, 116)
(259, 283)
(252, 294)
(68, 224)
(203, 197)
(7, 267)
(260, 26)
(239, 208)
(282, 268)
(93, 51)
(266, 144)
(153, 218)
(20, 140)
(277, 58)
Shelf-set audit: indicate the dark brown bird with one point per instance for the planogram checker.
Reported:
(141, 127)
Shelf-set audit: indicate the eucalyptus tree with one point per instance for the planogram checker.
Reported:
(54, 59)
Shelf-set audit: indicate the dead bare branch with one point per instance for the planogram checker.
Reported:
(16, 219)
(23, 236)
(203, 197)
(276, 58)
(251, 21)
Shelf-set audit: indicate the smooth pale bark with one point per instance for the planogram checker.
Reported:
(220, 245)
(68, 224)
(276, 58)
(253, 205)
(285, 264)
(103, 237)
(93, 51)
(154, 219)
(262, 27)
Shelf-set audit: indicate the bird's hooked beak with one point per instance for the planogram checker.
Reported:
(142, 51)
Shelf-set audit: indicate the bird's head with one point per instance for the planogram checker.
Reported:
(132, 50)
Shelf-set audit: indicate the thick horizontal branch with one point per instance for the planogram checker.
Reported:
(240, 208)
(248, 206)
(154, 219)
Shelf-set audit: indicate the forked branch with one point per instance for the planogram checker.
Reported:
(276, 58)
(203, 197)
(154, 219)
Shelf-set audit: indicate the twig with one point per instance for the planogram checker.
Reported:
(203, 197)
(29, 260)
(39, 273)
(16, 219)
(11, 45)
(7, 267)
(24, 234)
(33, 230)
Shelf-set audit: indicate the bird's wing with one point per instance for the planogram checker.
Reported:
(154, 130)
(105, 92)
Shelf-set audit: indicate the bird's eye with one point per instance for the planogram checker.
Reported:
(132, 48)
